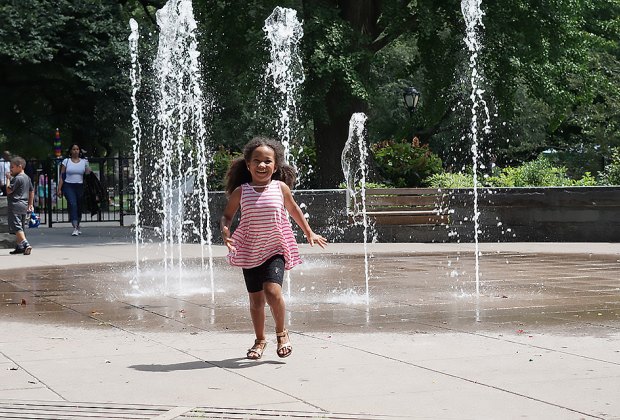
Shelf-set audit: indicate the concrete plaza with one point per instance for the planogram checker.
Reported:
(540, 340)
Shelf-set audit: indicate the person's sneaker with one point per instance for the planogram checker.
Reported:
(17, 251)
(27, 250)
(75, 232)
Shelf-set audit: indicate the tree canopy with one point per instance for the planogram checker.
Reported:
(550, 69)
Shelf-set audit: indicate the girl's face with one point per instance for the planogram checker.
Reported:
(75, 150)
(262, 165)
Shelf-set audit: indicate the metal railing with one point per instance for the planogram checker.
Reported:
(115, 174)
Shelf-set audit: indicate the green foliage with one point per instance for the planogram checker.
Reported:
(60, 64)
(221, 160)
(368, 185)
(551, 74)
(611, 174)
(537, 173)
(405, 164)
(450, 180)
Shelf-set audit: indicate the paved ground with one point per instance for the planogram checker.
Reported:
(87, 335)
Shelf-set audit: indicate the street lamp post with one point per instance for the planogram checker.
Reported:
(411, 97)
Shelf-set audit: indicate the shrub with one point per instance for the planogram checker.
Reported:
(405, 164)
(450, 180)
(611, 173)
(221, 162)
(537, 173)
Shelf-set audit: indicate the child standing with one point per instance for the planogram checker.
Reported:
(263, 244)
(20, 194)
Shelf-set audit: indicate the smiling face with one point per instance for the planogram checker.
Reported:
(262, 165)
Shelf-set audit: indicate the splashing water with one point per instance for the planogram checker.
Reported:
(472, 13)
(134, 75)
(285, 70)
(355, 153)
(286, 74)
(178, 177)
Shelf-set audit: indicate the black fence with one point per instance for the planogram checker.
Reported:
(115, 174)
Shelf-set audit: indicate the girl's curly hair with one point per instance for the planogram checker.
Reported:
(238, 172)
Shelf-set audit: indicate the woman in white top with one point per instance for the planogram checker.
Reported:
(71, 184)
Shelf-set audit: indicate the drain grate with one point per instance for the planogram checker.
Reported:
(257, 414)
(61, 410)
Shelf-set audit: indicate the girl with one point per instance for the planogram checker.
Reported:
(263, 244)
(71, 183)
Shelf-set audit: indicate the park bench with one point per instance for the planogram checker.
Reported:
(401, 206)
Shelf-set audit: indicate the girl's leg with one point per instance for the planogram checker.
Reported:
(257, 312)
(275, 300)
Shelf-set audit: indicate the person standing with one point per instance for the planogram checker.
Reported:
(263, 244)
(20, 194)
(5, 168)
(71, 184)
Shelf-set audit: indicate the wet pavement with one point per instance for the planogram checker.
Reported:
(85, 334)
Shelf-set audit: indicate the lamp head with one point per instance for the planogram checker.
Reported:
(411, 97)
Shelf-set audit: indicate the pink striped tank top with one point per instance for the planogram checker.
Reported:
(264, 229)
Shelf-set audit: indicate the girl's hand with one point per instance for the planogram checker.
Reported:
(228, 241)
(313, 238)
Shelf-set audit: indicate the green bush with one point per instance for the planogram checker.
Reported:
(611, 173)
(221, 161)
(368, 185)
(404, 164)
(537, 173)
(450, 180)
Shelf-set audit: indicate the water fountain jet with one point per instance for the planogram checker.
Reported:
(177, 167)
(472, 14)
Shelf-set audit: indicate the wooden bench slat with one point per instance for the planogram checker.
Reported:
(412, 220)
(402, 191)
(420, 200)
(405, 206)
(403, 213)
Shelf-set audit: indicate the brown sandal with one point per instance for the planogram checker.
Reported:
(284, 349)
(256, 351)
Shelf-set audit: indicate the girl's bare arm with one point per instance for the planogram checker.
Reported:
(298, 216)
(227, 217)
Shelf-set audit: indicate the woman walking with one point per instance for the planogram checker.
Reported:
(71, 184)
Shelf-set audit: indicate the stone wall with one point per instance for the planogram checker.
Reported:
(6, 240)
(576, 214)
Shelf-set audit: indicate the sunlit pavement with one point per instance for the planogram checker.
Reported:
(88, 334)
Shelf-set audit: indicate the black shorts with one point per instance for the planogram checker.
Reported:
(271, 271)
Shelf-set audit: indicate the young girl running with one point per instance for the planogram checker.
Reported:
(263, 244)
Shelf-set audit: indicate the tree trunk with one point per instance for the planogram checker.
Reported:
(330, 136)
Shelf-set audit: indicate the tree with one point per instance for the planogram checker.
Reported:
(342, 39)
(59, 68)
